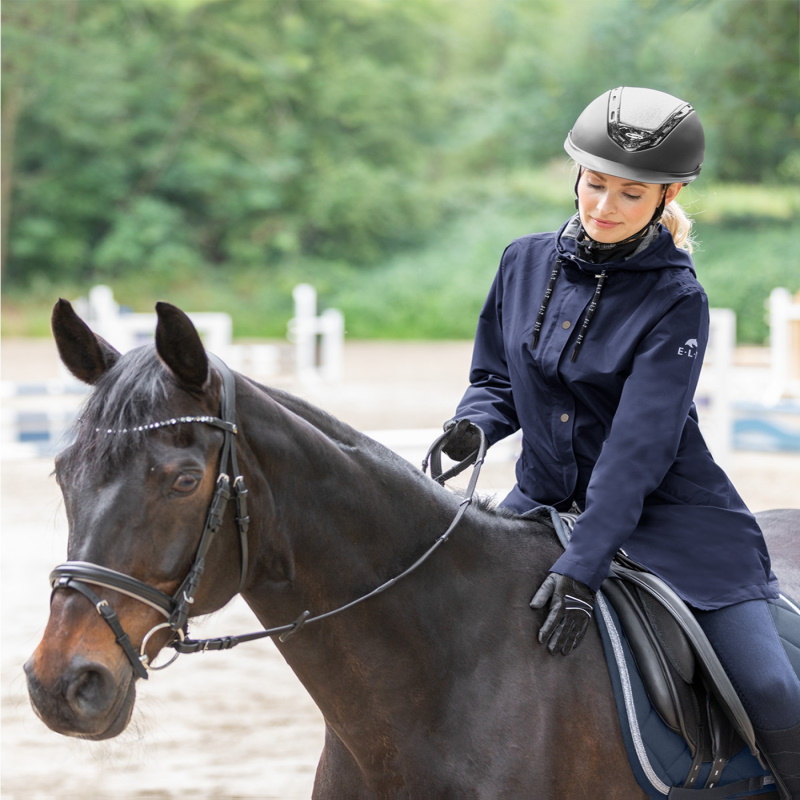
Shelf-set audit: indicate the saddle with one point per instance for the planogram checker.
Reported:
(685, 696)
(686, 684)
(655, 646)
(682, 678)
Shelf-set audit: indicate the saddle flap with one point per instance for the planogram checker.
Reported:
(663, 675)
(670, 636)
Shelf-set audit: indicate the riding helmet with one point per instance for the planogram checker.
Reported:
(639, 134)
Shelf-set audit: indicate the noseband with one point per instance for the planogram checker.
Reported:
(79, 575)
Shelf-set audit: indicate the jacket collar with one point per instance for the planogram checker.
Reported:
(656, 250)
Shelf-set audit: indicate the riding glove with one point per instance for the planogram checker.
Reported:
(571, 604)
(464, 439)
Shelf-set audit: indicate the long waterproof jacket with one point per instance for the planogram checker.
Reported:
(611, 425)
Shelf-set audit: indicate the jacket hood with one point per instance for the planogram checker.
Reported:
(657, 251)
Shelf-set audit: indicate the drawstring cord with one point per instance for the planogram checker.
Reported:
(537, 328)
(601, 279)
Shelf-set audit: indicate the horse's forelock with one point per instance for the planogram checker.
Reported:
(132, 393)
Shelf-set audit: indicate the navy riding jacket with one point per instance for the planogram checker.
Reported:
(612, 426)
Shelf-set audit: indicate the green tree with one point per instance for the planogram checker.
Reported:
(749, 81)
(331, 111)
(95, 128)
(167, 135)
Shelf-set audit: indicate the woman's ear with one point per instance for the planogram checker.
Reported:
(672, 192)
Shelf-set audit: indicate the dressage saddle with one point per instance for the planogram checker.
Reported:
(684, 679)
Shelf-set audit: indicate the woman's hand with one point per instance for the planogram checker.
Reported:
(464, 439)
(571, 604)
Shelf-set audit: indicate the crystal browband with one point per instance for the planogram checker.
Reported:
(151, 426)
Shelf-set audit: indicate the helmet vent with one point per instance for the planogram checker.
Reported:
(642, 131)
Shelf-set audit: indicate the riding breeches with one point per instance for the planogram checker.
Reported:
(747, 643)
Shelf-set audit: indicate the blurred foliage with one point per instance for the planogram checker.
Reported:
(216, 152)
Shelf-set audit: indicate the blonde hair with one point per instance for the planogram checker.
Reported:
(679, 224)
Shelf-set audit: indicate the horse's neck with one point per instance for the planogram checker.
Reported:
(349, 516)
(336, 491)
(339, 497)
(425, 630)
(327, 424)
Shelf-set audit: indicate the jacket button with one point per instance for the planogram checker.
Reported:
(566, 324)
(565, 417)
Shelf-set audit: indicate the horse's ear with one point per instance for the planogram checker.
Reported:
(180, 347)
(85, 354)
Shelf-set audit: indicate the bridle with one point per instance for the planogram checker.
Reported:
(81, 575)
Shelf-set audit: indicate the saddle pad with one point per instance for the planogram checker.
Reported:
(660, 759)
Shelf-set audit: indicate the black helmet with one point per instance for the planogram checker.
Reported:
(639, 134)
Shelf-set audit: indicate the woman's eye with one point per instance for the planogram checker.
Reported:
(185, 484)
(594, 186)
(632, 196)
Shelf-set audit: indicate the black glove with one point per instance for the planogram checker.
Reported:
(464, 439)
(571, 604)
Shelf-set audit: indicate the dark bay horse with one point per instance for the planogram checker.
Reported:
(433, 688)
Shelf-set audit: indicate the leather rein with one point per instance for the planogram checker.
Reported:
(81, 575)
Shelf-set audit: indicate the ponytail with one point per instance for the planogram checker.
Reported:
(679, 224)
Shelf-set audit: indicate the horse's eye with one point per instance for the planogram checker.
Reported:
(185, 483)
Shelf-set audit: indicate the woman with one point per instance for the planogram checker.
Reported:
(591, 342)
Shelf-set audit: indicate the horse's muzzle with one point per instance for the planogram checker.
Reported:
(86, 700)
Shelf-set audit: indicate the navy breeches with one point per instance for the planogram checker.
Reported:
(749, 648)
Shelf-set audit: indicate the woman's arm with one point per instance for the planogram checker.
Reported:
(488, 402)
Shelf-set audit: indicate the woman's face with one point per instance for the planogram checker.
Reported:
(612, 209)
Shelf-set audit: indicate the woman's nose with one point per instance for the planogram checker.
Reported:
(605, 202)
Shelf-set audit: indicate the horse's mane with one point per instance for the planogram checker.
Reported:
(331, 426)
(133, 392)
(350, 437)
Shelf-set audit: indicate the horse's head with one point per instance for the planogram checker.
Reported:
(138, 482)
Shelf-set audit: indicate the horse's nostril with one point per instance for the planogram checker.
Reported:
(90, 690)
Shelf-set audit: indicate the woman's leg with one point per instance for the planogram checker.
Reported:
(749, 648)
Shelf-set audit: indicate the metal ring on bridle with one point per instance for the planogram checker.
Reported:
(143, 657)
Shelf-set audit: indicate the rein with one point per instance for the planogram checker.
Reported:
(79, 575)
(283, 632)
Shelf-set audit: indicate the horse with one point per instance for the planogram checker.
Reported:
(435, 687)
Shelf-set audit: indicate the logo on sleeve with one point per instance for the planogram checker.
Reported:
(689, 350)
